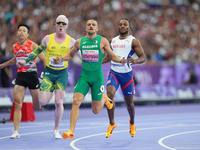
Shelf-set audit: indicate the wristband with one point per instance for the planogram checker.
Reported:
(121, 61)
(61, 59)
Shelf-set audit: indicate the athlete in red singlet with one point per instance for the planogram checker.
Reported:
(26, 76)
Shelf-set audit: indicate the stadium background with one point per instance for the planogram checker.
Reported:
(167, 29)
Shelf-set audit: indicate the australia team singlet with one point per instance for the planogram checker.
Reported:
(54, 49)
(21, 52)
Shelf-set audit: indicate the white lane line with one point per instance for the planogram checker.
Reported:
(31, 133)
(72, 144)
(160, 141)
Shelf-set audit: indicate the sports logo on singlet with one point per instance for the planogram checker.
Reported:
(90, 55)
(63, 48)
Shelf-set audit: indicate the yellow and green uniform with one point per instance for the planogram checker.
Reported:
(55, 75)
(91, 74)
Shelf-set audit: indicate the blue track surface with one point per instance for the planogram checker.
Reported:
(173, 127)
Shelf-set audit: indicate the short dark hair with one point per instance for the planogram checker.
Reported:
(25, 25)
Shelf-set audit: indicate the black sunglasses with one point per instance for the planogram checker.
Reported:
(61, 23)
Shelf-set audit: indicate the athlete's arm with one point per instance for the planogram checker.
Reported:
(106, 58)
(72, 42)
(41, 55)
(38, 50)
(9, 62)
(107, 48)
(70, 55)
(139, 52)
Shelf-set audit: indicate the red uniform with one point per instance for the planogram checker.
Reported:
(21, 53)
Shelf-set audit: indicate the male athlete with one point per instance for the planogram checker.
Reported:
(123, 45)
(27, 76)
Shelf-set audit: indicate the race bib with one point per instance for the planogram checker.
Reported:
(91, 55)
(52, 64)
(22, 59)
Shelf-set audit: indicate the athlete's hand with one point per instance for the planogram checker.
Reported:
(57, 60)
(2, 66)
(131, 61)
(21, 63)
(123, 61)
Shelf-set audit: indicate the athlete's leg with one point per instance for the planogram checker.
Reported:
(97, 105)
(111, 90)
(46, 90)
(131, 111)
(77, 100)
(18, 95)
(112, 86)
(35, 98)
(130, 107)
(45, 97)
(59, 109)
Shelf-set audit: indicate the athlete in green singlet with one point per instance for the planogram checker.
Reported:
(92, 48)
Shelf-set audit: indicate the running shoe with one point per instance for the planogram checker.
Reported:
(15, 135)
(110, 130)
(109, 102)
(132, 129)
(68, 135)
(57, 134)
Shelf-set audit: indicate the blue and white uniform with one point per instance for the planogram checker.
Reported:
(122, 74)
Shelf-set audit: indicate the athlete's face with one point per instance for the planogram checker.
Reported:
(91, 27)
(123, 27)
(22, 33)
(61, 25)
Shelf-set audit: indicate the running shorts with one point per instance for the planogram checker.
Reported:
(125, 80)
(28, 79)
(93, 79)
(54, 79)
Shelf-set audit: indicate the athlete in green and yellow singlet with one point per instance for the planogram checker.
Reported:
(92, 48)
(55, 77)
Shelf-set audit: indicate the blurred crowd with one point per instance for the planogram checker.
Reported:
(168, 31)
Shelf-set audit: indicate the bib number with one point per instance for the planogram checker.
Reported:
(52, 64)
(91, 55)
(23, 59)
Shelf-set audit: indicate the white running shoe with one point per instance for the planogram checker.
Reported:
(15, 135)
(57, 134)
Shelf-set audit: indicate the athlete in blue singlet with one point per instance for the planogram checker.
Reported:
(123, 45)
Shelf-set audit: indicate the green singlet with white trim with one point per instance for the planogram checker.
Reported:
(91, 74)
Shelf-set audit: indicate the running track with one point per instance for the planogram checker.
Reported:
(161, 127)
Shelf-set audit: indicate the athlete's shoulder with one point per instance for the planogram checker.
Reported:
(72, 40)
(30, 41)
(131, 37)
(16, 44)
(115, 39)
(99, 36)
